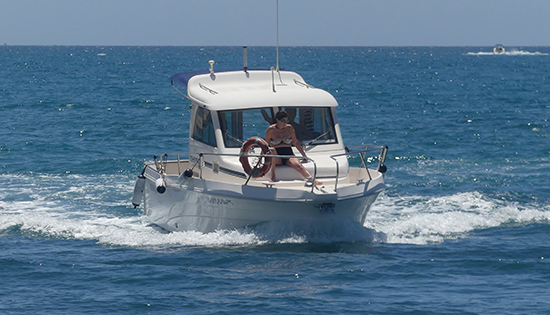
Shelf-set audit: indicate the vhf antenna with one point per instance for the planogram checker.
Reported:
(277, 36)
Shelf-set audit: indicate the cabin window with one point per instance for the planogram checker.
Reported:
(239, 125)
(312, 124)
(204, 129)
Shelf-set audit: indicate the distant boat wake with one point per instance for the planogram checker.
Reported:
(508, 53)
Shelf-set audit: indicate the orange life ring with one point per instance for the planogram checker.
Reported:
(261, 168)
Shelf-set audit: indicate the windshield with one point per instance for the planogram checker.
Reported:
(313, 125)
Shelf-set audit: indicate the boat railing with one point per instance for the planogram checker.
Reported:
(162, 161)
(363, 158)
(363, 154)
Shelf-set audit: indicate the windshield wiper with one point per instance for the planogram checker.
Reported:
(319, 137)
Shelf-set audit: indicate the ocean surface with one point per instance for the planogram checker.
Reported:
(463, 227)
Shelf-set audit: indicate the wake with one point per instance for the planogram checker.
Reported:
(98, 209)
(426, 220)
(508, 53)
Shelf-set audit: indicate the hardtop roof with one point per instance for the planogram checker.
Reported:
(239, 89)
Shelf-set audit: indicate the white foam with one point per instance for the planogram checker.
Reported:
(424, 220)
(508, 53)
(92, 208)
(136, 232)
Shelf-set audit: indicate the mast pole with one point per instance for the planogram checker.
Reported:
(277, 36)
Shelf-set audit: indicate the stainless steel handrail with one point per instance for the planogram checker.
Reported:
(201, 155)
(362, 155)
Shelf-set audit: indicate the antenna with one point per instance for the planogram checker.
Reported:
(211, 63)
(245, 61)
(277, 36)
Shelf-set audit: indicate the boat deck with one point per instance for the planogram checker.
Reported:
(175, 169)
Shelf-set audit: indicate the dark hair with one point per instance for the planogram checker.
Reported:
(281, 114)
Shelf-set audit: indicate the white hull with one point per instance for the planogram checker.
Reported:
(499, 49)
(206, 205)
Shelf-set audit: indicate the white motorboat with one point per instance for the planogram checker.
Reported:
(499, 49)
(221, 183)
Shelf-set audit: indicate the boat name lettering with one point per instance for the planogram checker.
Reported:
(218, 201)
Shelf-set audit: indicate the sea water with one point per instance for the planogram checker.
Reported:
(462, 227)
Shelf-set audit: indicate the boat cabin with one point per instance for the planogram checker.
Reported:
(229, 107)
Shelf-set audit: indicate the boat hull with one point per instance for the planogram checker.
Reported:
(206, 206)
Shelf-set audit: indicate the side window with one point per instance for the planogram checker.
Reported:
(204, 129)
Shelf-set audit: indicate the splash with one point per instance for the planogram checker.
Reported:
(411, 220)
(425, 220)
(48, 222)
(95, 208)
(508, 53)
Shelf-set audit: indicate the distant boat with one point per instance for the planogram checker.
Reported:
(499, 49)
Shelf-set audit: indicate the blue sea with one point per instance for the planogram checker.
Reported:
(462, 228)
